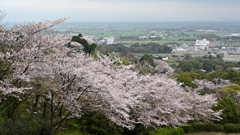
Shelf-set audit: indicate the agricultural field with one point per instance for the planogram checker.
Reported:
(159, 54)
(167, 32)
(141, 54)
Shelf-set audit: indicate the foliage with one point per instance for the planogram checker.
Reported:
(139, 130)
(188, 128)
(230, 110)
(71, 132)
(125, 61)
(209, 67)
(167, 131)
(211, 127)
(189, 66)
(137, 48)
(229, 91)
(177, 71)
(147, 59)
(199, 72)
(128, 55)
(116, 48)
(151, 48)
(232, 128)
(147, 65)
(187, 56)
(126, 58)
(234, 86)
(89, 46)
(187, 79)
(226, 92)
(21, 121)
(29, 126)
(108, 53)
(218, 67)
(220, 56)
(198, 63)
(96, 123)
(232, 75)
(200, 127)
(209, 36)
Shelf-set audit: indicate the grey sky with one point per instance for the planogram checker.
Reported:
(121, 10)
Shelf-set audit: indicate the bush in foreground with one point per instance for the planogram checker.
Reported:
(211, 127)
(167, 131)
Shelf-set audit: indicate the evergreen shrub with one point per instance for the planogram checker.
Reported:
(232, 128)
(211, 127)
(188, 128)
(167, 131)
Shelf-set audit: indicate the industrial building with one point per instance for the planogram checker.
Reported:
(202, 45)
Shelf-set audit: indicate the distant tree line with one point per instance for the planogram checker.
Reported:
(208, 65)
(209, 36)
(140, 48)
(187, 39)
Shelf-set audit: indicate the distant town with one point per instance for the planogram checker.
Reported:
(196, 38)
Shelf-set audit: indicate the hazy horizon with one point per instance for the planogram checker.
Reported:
(122, 11)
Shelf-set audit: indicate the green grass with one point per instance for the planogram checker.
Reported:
(157, 41)
(176, 38)
(129, 32)
(160, 54)
(236, 43)
(140, 42)
(194, 33)
(117, 53)
(105, 33)
(141, 54)
(173, 62)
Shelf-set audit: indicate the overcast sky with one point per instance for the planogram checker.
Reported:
(121, 10)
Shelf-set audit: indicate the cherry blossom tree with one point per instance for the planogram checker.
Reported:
(167, 103)
(61, 84)
(162, 68)
(24, 46)
(156, 67)
(2, 15)
(89, 40)
(211, 86)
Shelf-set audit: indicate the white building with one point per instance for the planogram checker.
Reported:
(165, 58)
(110, 40)
(101, 41)
(143, 37)
(202, 45)
(235, 35)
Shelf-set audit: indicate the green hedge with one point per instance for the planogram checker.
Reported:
(188, 128)
(211, 127)
(167, 131)
(232, 128)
